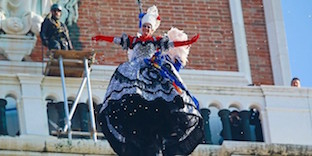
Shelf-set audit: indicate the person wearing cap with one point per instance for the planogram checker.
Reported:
(147, 109)
(54, 34)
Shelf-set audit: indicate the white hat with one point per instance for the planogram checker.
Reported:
(152, 17)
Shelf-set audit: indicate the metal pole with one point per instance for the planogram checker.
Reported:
(68, 123)
(141, 14)
(140, 6)
(93, 128)
(72, 110)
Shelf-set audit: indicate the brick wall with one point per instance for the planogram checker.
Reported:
(215, 49)
(258, 49)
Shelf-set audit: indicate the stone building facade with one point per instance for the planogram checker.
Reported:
(239, 66)
(212, 19)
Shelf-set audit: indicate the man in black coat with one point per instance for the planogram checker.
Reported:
(54, 34)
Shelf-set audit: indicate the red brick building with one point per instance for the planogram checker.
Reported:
(241, 42)
(217, 22)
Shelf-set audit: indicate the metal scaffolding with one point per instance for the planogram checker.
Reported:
(73, 64)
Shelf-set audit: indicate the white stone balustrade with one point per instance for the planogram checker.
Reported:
(281, 108)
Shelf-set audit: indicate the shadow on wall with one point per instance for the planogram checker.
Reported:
(74, 33)
(71, 22)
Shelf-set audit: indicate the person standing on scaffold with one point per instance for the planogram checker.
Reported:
(147, 109)
(54, 34)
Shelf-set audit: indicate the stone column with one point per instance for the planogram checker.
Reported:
(245, 116)
(32, 109)
(205, 113)
(226, 131)
(3, 124)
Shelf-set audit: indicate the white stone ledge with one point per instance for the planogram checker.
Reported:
(14, 67)
(45, 146)
(30, 143)
(189, 76)
(103, 72)
(263, 149)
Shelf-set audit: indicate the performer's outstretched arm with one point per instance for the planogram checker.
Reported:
(166, 44)
(188, 42)
(124, 40)
(103, 38)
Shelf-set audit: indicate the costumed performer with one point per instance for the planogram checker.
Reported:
(147, 109)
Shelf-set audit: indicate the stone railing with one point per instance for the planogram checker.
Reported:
(281, 109)
(41, 146)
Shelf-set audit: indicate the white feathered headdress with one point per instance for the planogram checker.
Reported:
(182, 52)
(152, 17)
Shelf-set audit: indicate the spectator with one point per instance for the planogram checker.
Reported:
(295, 82)
(54, 34)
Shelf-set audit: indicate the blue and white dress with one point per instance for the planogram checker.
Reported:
(144, 111)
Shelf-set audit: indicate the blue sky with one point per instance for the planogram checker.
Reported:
(298, 26)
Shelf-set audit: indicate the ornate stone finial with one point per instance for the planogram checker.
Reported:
(20, 22)
(19, 17)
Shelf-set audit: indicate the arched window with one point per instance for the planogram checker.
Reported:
(53, 115)
(80, 122)
(12, 116)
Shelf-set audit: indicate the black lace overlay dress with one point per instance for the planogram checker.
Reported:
(144, 114)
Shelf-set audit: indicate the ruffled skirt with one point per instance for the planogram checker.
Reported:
(144, 114)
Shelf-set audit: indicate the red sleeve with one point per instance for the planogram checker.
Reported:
(103, 38)
(188, 42)
(131, 38)
(158, 38)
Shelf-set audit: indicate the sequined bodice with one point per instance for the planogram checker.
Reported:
(143, 50)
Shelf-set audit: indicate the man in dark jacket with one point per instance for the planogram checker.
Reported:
(54, 33)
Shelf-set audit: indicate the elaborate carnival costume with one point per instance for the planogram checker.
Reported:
(147, 109)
